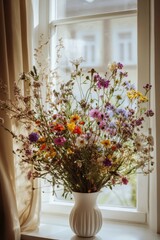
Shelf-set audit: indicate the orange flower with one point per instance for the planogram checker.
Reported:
(58, 127)
(74, 118)
(42, 139)
(106, 142)
(52, 154)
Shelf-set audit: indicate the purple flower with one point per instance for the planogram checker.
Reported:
(123, 112)
(107, 162)
(60, 141)
(94, 113)
(112, 131)
(112, 125)
(131, 112)
(28, 152)
(119, 65)
(96, 77)
(147, 87)
(149, 113)
(123, 74)
(33, 137)
(138, 122)
(103, 83)
(109, 106)
(129, 86)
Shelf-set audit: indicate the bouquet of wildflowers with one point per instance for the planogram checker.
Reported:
(89, 135)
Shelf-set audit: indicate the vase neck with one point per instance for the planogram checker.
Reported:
(86, 198)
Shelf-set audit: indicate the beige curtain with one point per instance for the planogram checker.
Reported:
(19, 203)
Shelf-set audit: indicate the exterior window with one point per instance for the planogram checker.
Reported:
(124, 40)
(88, 49)
(125, 46)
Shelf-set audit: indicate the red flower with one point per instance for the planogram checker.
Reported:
(124, 180)
(114, 147)
(77, 130)
(43, 146)
(82, 122)
(38, 122)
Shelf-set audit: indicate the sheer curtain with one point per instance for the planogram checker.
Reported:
(19, 203)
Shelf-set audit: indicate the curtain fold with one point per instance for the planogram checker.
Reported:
(19, 203)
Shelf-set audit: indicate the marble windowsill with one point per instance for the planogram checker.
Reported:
(109, 231)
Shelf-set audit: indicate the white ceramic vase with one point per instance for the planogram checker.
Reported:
(85, 217)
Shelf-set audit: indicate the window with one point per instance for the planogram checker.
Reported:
(124, 42)
(100, 31)
(125, 45)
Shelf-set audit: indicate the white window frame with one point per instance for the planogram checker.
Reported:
(140, 214)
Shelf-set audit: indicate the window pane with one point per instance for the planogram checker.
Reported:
(100, 42)
(71, 8)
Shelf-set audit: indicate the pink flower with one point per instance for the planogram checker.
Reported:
(102, 124)
(94, 113)
(101, 116)
(59, 141)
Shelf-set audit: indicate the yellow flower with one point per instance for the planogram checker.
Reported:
(71, 126)
(132, 94)
(52, 154)
(74, 118)
(142, 98)
(112, 66)
(47, 155)
(106, 142)
(69, 151)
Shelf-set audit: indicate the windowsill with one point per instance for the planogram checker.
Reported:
(108, 213)
(109, 231)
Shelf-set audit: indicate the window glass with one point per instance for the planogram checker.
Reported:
(99, 42)
(72, 8)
